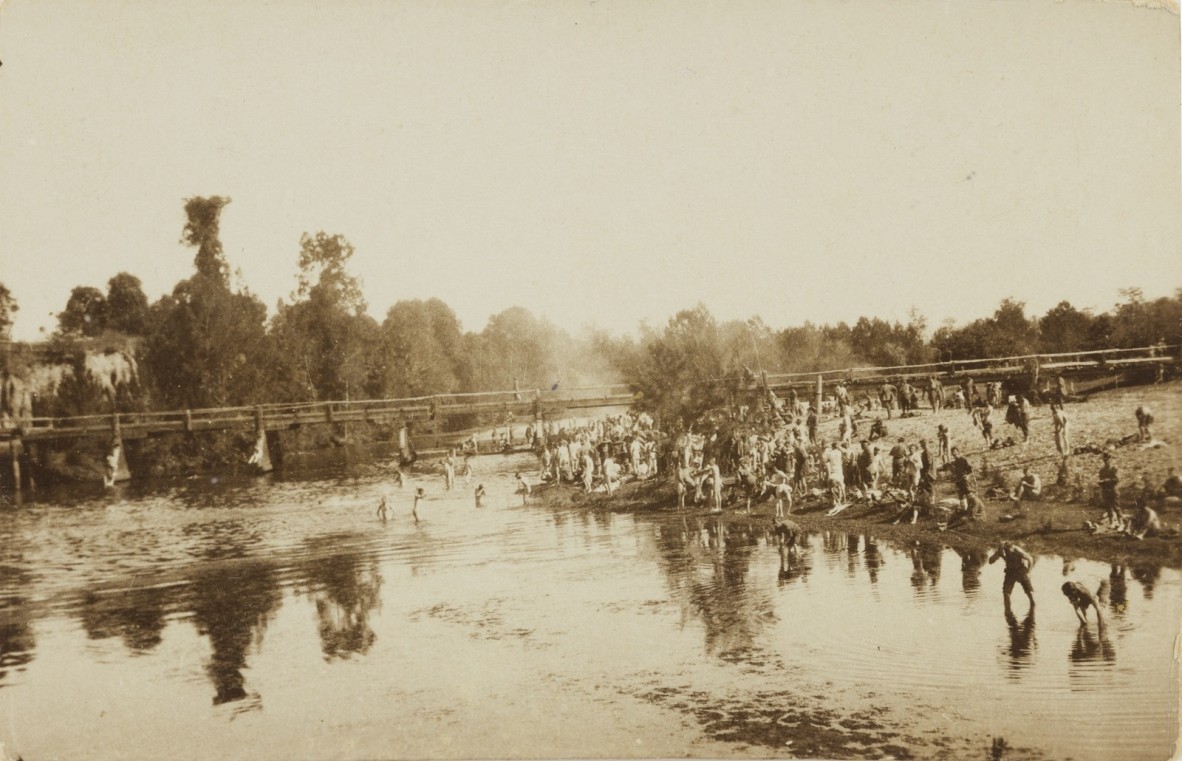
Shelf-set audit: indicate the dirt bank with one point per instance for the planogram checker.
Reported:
(1054, 524)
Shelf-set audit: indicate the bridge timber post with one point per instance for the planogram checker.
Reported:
(117, 470)
(819, 387)
(261, 457)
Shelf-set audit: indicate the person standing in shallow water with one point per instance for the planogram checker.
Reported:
(1017, 566)
(414, 510)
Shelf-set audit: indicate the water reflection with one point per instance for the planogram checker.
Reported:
(706, 564)
(137, 616)
(1092, 646)
(17, 642)
(1019, 652)
(346, 589)
(874, 559)
(926, 558)
(795, 563)
(972, 559)
(232, 605)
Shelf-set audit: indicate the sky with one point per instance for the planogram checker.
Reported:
(601, 163)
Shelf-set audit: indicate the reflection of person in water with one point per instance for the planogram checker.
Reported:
(793, 565)
(1089, 646)
(874, 559)
(1022, 641)
(971, 561)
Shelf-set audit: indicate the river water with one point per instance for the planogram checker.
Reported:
(279, 618)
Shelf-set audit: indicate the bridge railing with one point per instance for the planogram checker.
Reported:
(521, 401)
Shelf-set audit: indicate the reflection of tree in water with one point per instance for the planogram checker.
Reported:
(718, 596)
(346, 590)
(16, 632)
(971, 561)
(1020, 652)
(135, 615)
(231, 605)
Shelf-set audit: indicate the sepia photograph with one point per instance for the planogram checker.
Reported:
(581, 379)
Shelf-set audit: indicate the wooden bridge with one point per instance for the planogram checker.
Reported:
(429, 418)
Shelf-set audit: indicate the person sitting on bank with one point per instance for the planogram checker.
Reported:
(1029, 487)
(1144, 522)
(1171, 489)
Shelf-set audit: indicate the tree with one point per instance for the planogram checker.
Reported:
(85, 313)
(8, 309)
(206, 346)
(326, 341)
(323, 262)
(683, 372)
(421, 345)
(1063, 329)
(202, 230)
(127, 306)
(519, 350)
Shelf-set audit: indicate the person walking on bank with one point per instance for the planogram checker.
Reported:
(1017, 566)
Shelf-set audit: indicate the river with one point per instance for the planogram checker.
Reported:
(277, 617)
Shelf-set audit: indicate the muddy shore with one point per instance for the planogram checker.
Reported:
(1053, 524)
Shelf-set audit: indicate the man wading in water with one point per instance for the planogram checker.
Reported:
(1018, 562)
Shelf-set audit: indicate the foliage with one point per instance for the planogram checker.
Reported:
(202, 231)
(422, 346)
(127, 306)
(85, 313)
(683, 373)
(8, 308)
(326, 345)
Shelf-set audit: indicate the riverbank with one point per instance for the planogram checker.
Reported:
(1054, 524)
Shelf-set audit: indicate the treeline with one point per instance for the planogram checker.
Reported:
(211, 344)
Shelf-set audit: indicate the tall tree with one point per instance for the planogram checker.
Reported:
(127, 306)
(421, 349)
(328, 342)
(206, 346)
(203, 231)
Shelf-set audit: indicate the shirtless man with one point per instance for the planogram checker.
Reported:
(1081, 599)
(787, 533)
(1018, 563)
(712, 473)
(1062, 432)
(1029, 487)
